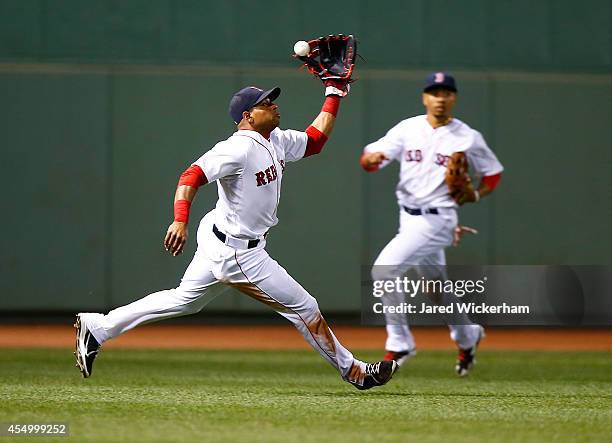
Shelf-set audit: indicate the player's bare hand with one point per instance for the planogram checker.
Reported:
(373, 159)
(459, 231)
(176, 237)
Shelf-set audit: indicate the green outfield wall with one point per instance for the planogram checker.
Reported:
(104, 103)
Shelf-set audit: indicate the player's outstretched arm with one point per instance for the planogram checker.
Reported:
(176, 236)
(324, 122)
(321, 128)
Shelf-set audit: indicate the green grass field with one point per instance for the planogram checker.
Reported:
(154, 396)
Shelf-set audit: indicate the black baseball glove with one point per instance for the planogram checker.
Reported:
(332, 59)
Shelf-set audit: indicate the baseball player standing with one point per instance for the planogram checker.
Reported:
(249, 168)
(428, 214)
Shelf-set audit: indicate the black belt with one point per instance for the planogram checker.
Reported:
(221, 236)
(412, 211)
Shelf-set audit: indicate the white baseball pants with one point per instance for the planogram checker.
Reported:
(420, 244)
(253, 272)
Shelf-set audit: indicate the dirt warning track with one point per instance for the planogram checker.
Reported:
(286, 337)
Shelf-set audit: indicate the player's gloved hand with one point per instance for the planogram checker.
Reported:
(176, 237)
(332, 60)
(467, 195)
(459, 231)
(458, 180)
(371, 161)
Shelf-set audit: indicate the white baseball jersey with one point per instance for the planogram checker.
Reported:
(249, 170)
(423, 154)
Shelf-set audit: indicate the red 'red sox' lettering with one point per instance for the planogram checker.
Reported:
(270, 174)
(414, 155)
(441, 160)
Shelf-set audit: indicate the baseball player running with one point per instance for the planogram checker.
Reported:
(423, 146)
(248, 167)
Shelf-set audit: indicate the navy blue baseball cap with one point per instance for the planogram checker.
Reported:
(248, 97)
(440, 80)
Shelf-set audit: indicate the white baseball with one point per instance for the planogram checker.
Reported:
(301, 48)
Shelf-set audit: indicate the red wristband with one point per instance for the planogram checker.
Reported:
(331, 105)
(181, 210)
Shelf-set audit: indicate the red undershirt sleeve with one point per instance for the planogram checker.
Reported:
(492, 180)
(193, 176)
(316, 140)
